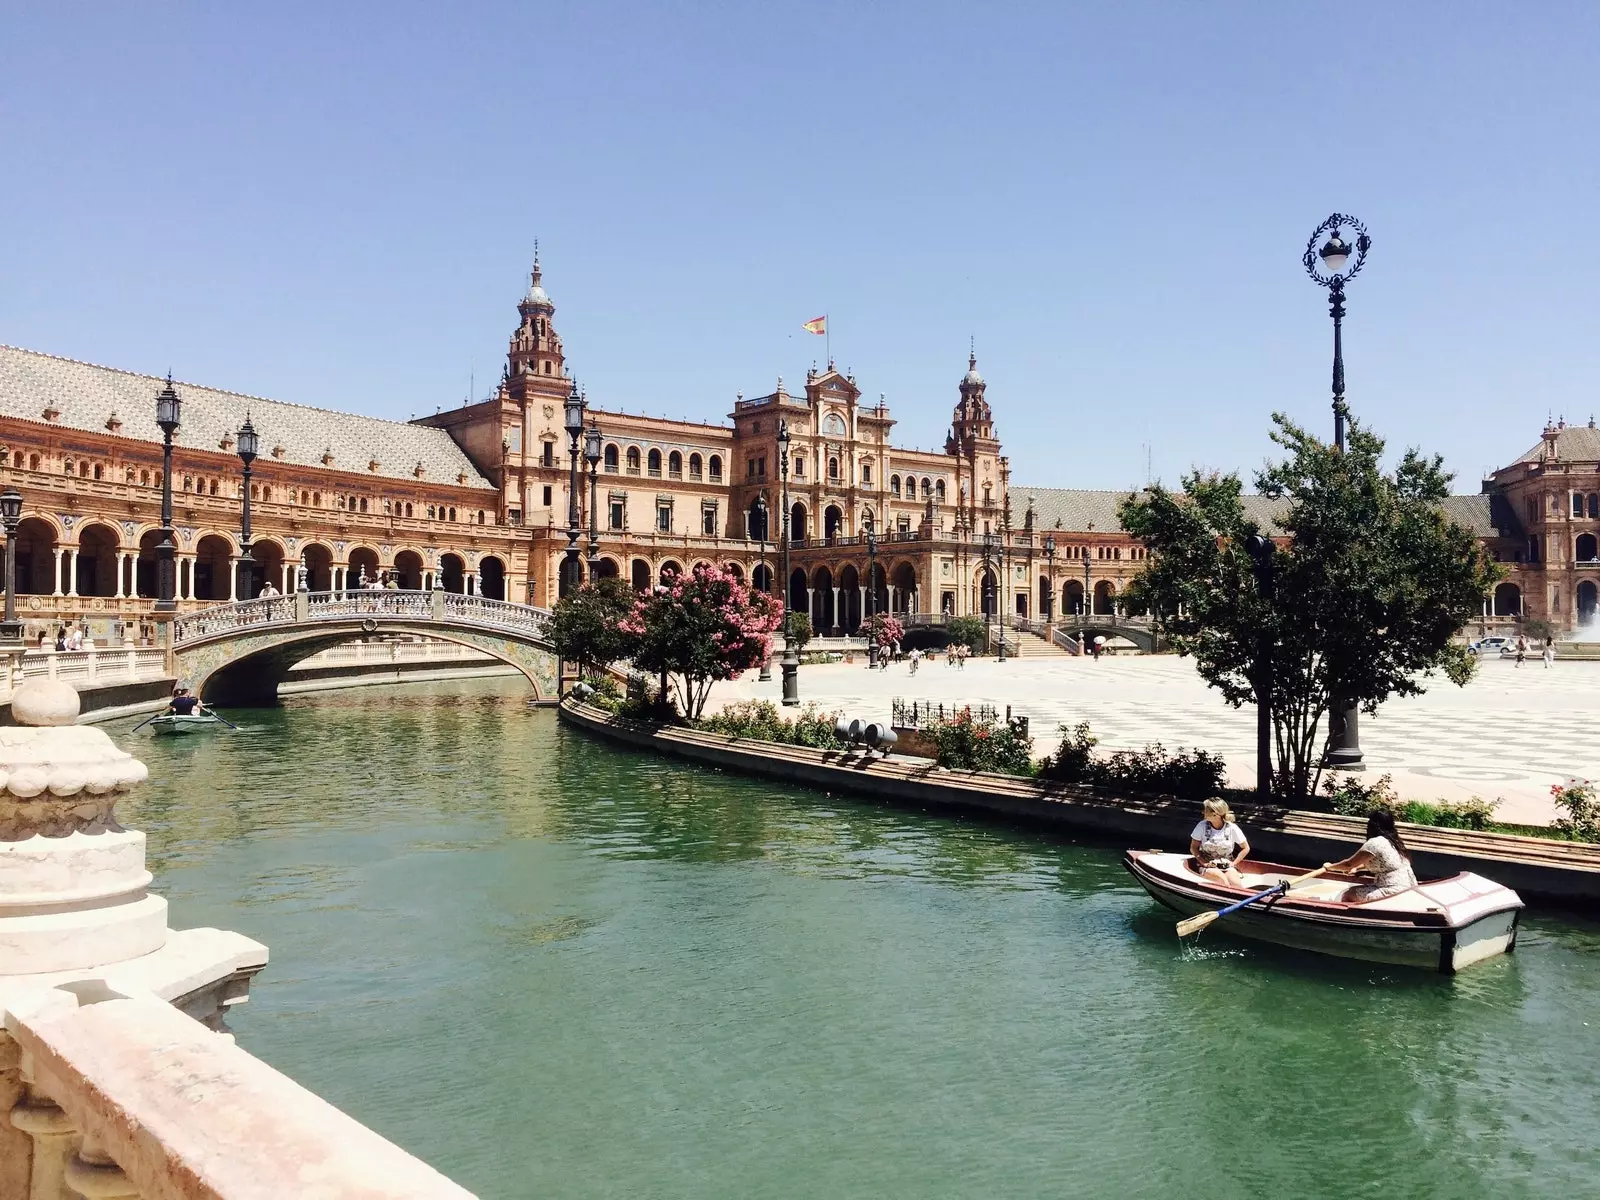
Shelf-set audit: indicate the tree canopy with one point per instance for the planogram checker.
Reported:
(586, 625)
(1369, 582)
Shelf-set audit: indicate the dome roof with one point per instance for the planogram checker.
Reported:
(972, 375)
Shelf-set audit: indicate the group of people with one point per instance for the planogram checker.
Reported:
(1548, 653)
(1218, 846)
(68, 637)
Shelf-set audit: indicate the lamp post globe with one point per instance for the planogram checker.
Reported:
(169, 414)
(249, 446)
(1331, 265)
(791, 657)
(11, 517)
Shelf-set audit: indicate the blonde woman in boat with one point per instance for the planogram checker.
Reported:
(1217, 844)
(1385, 856)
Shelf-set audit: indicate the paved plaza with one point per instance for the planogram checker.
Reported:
(1511, 733)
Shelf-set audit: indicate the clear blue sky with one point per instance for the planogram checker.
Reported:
(336, 204)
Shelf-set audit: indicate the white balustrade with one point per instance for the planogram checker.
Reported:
(224, 619)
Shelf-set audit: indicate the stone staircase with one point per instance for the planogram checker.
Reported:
(1033, 645)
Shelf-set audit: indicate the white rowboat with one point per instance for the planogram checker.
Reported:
(175, 723)
(1439, 925)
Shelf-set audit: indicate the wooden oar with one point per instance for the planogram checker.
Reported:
(211, 712)
(145, 722)
(1198, 922)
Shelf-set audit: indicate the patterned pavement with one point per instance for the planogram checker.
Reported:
(1510, 734)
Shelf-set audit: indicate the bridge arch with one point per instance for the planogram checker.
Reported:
(238, 654)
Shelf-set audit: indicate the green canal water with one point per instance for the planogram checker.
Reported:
(551, 968)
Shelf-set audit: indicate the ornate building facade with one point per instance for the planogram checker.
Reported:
(476, 499)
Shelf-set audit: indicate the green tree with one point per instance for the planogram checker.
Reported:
(702, 627)
(799, 630)
(965, 631)
(1369, 584)
(586, 626)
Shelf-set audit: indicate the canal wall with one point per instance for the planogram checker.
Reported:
(1565, 872)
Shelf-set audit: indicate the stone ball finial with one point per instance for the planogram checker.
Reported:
(45, 702)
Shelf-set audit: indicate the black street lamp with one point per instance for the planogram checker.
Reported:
(168, 411)
(574, 423)
(758, 518)
(11, 517)
(1331, 266)
(1005, 568)
(248, 445)
(872, 593)
(1050, 592)
(791, 658)
(1085, 606)
(591, 451)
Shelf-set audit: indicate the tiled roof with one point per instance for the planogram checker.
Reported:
(86, 396)
(1078, 510)
(1574, 443)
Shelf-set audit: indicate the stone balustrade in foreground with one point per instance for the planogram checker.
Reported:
(118, 1077)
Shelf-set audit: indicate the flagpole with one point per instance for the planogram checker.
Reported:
(827, 334)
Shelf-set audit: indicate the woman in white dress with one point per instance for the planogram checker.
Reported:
(1218, 844)
(1385, 856)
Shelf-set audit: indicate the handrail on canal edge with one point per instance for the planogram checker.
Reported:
(1566, 872)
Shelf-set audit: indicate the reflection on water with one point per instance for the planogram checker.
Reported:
(553, 968)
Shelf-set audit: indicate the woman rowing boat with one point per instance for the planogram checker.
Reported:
(1385, 856)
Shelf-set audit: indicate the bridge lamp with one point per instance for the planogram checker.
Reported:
(574, 425)
(11, 517)
(1050, 592)
(791, 657)
(169, 411)
(872, 593)
(248, 446)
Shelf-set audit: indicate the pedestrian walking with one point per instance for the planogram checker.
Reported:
(1549, 654)
(1522, 647)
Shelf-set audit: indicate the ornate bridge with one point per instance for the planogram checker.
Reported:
(1138, 630)
(239, 653)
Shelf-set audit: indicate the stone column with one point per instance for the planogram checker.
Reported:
(470, 583)
(862, 623)
(288, 579)
(811, 607)
(56, 590)
(122, 569)
(838, 618)
(52, 1132)
(72, 570)
(233, 579)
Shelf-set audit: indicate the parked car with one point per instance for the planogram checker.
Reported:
(1494, 644)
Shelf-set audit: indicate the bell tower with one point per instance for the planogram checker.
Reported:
(535, 352)
(980, 468)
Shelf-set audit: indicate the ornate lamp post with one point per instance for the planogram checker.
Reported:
(1005, 568)
(248, 445)
(759, 519)
(11, 517)
(1331, 266)
(168, 411)
(872, 593)
(1050, 592)
(1086, 604)
(791, 658)
(574, 424)
(591, 451)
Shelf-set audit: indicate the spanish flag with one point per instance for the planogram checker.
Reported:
(816, 325)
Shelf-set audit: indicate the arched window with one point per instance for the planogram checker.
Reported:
(894, 485)
(97, 470)
(927, 488)
(214, 487)
(1594, 505)
(83, 470)
(716, 468)
(675, 465)
(452, 514)
(480, 516)
(633, 460)
(66, 466)
(33, 462)
(144, 478)
(316, 499)
(408, 510)
(430, 512)
(695, 466)
(363, 504)
(655, 464)
(833, 468)
(1577, 504)
(611, 459)
(938, 490)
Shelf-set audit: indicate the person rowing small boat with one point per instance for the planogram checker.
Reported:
(184, 703)
(1384, 855)
(1219, 845)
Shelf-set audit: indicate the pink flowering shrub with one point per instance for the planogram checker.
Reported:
(702, 627)
(887, 630)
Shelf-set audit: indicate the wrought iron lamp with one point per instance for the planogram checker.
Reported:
(872, 593)
(248, 446)
(1332, 265)
(759, 520)
(1050, 591)
(169, 412)
(574, 425)
(591, 451)
(11, 517)
(791, 657)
